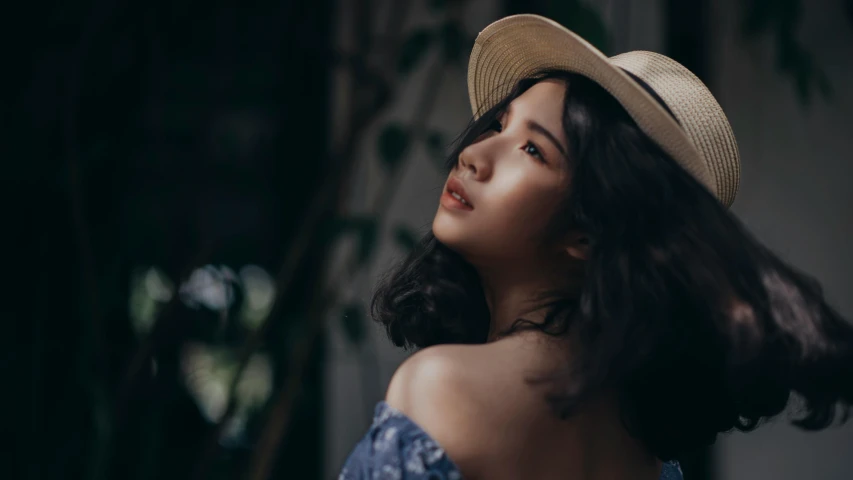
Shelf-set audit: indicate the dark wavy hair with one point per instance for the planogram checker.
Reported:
(697, 326)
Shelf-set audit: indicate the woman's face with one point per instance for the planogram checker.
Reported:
(513, 179)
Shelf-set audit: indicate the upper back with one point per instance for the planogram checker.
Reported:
(476, 402)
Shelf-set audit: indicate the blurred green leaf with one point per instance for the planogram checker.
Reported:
(801, 85)
(848, 10)
(368, 229)
(437, 5)
(780, 19)
(405, 237)
(582, 19)
(393, 142)
(436, 147)
(453, 42)
(413, 50)
(331, 228)
(758, 16)
(823, 84)
(353, 322)
(365, 228)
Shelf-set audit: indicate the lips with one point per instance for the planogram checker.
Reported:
(455, 187)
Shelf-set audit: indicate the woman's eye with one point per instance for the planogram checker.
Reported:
(533, 151)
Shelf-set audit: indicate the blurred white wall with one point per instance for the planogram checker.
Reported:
(796, 195)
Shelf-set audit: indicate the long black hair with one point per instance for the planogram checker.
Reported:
(697, 326)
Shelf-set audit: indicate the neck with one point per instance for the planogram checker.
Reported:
(513, 293)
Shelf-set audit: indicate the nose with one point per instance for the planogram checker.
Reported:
(477, 158)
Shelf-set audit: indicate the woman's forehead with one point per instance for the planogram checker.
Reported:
(545, 99)
(542, 105)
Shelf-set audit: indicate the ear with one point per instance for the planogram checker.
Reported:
(577, 245)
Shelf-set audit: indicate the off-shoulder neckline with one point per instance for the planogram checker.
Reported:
(383, 411)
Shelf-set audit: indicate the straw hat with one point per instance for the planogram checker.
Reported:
(701, 140)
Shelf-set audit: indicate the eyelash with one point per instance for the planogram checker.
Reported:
(496, 126)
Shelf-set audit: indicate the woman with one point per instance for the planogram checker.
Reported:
(591, 308)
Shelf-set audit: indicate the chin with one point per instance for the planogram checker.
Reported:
(449, 232)
(443, 227)
(458, 237)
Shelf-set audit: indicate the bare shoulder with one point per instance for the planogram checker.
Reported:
(433, 387)
(468, 373)
(430, 375)
(466, 397)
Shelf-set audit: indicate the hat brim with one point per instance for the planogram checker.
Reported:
(520, 46)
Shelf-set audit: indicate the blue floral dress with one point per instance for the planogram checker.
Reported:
(396, 448)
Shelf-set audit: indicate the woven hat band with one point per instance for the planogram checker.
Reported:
(695, 109)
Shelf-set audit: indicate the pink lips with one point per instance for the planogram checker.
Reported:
(455, 186)
(448, 199)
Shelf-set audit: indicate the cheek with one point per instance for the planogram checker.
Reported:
(526, 207)
(511, 219)
(517, 220)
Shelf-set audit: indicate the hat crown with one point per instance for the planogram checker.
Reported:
(697, 111)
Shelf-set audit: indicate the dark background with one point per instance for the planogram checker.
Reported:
(185, 134)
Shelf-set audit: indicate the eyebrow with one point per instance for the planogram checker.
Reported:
(536, 127)
(539, 128)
